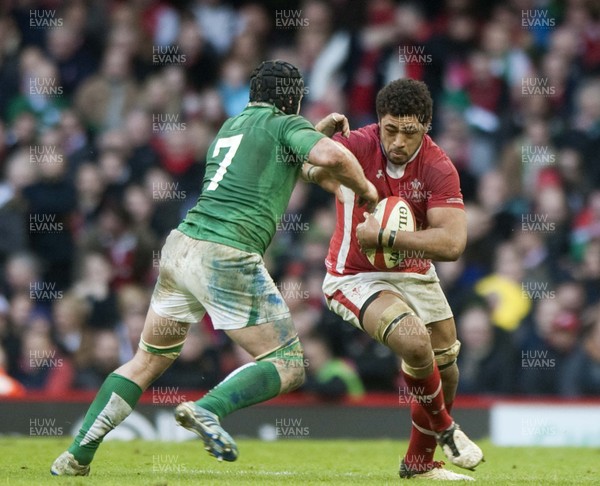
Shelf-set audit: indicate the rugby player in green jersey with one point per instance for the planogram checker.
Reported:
(213, 263)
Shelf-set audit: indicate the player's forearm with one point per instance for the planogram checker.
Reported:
(348, 171)
(438, 244)
(307, 172)
(315, 174)
(339, 163)
(353, 179)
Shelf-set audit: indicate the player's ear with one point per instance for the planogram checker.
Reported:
(427, 126)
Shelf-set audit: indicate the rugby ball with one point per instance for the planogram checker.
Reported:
(393, 213)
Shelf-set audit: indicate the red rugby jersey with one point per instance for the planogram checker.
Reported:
(429, 180)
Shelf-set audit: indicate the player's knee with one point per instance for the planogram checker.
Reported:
(399, 328)
(397, 317)
(294, 378)
(450, 377)
(446, 358)
(417, 350)
(290, 364)
(152, 361)
(291, 374)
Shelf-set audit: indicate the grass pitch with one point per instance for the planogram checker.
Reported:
(26, 461)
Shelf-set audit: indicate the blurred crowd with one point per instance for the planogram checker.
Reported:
(107, 109)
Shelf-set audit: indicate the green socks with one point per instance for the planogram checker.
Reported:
(113, 404)
(249, 384)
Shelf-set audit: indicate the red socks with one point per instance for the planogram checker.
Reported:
(422, 444)
(427, 393)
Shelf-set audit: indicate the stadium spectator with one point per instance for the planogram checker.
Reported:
(201, 60)
(486, 93)
(41, 91)
(367, 58)
(584, 122)
(487, 359)
(538, 266)
(21, 133)
(132, 302)
(128, 249)
(94, 286)
(509, 61)
(586, 226)
(575, 182)
(588, 272)
(293, 289)
(115, 172)
(550, 215)
(9, 387)
(51, 204)
(9, 340)
(329, 377)
(160, 22)
(19, 173)
(20, 313)
(74, 141)
(453, 39)
(219, 22)
(582, 369)
(42, 367)
(547, 348)
(69, 317)
(73, 60)
(142, 156)
(90, 186)
(234, 86)
(503, 289)
(102, 359)
(126, 37)
(139, 206)
(171, 197)
(105, 97)
(526, 157)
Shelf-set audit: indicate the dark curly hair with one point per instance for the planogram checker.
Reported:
(405, 97)
(278, 83)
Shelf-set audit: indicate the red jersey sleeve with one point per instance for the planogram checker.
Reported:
(445, 185)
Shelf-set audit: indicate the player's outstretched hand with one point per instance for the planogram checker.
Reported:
(333, 123)
(367, 232)
(370, 198)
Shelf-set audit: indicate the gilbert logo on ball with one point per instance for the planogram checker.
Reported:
(393, 213)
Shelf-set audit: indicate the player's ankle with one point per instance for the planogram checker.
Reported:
(414, 461)
(81, 455)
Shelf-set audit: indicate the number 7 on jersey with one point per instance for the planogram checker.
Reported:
(233, 143)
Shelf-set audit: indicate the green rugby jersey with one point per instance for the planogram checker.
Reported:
(251, 169)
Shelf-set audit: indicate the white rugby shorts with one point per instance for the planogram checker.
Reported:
(233, 286)
(346, 295)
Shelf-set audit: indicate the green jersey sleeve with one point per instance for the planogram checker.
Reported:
(299, 136)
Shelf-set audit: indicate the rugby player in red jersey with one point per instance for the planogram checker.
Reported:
(404, 307)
